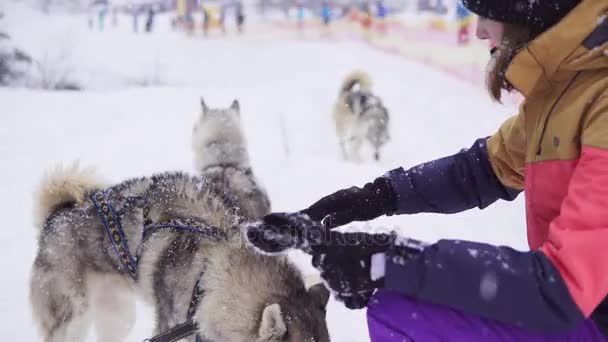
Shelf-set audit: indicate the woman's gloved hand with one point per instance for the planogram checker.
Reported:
(355, 204)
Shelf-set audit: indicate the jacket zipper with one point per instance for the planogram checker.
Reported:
(545, 123)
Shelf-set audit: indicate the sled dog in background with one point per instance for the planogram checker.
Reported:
(221, 154)
(359, 116)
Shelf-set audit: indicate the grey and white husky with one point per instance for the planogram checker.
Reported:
(221, 154)
(160, 237)
(360, 116)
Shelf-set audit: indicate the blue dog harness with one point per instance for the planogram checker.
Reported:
(113, 226)
(111, 221)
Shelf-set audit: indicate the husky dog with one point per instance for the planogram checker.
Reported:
(360, 115)
(220, 154)
(164, 237)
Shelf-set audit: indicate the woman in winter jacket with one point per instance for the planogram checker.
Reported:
(554, 52)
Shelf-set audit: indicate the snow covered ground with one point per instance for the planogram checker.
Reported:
(127, 130)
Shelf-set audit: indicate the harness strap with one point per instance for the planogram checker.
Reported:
(189, 327)
(187, 225)
(197, 293)
(111, 222)
(176, 333)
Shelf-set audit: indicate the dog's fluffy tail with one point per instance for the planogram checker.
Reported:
(63, 186)
(355, 78)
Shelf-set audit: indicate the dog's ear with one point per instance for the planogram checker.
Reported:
(320, 295)
(272, 326)
(235, 106)
(204, 106)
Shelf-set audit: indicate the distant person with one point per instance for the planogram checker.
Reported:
(101, 17)
(135, 18)
(114, 17)
(150, 20)
(464, 18)
(206, 18)
(300, 15)
(223, 18)
(326, 13)
(240, 16)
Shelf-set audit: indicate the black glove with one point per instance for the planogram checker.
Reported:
(344, 259)
(345, 265)
(355, 204)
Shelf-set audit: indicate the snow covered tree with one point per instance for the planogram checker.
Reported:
(13, 62)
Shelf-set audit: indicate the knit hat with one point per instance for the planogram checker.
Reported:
(538, 15)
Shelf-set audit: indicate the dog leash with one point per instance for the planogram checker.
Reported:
(189, 327)
(176, 333)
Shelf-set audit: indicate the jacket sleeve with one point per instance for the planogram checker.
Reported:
(507, 151)
(452, 184)
(552, 288)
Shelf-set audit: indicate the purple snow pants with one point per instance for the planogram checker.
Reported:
(393, 317)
